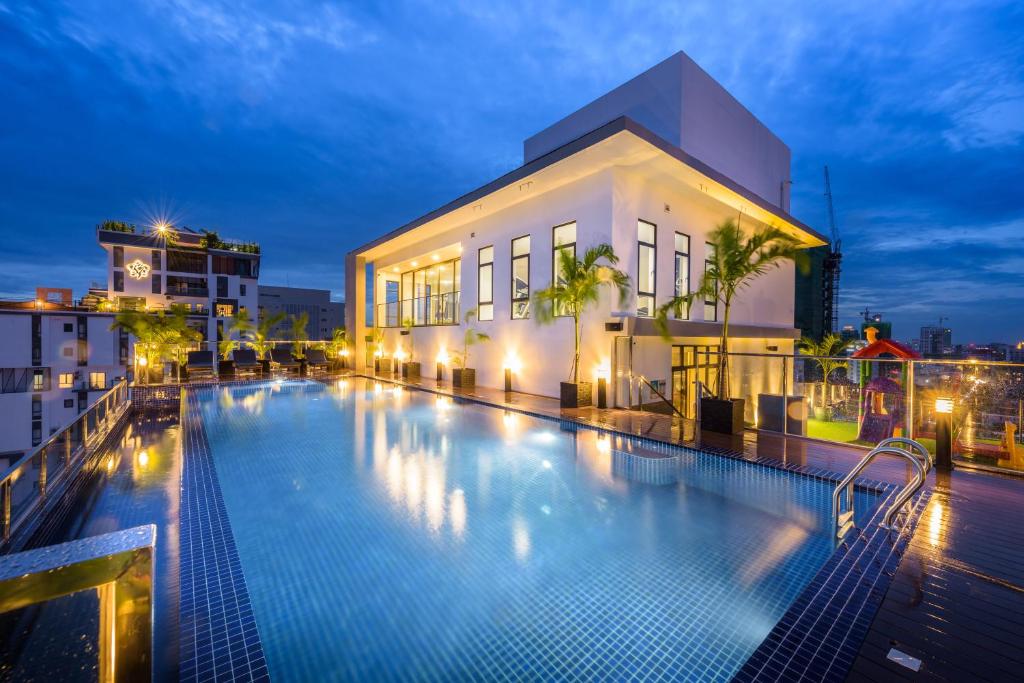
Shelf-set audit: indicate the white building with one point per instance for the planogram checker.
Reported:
(213, 278)
(324, 315)
(650, 168)
(53, 364)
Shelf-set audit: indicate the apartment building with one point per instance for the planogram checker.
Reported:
(323, 314)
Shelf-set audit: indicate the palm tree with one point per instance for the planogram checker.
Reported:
(470, 337)
(299, 333)
(338, 342)
(260, 334)
(158, 336)
(825, 352)
(576, 287)
(734, 263)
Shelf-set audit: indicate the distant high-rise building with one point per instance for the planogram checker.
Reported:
(936, 341)
(324, 314)
(810, 314)
(849, 333)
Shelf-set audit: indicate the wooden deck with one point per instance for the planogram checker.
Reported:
(957, 600)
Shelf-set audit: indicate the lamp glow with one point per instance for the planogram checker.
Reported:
(944, 406)
(512, 363)
(442, 357)
(141, 360)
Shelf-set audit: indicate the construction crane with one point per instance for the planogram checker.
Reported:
(833, 261)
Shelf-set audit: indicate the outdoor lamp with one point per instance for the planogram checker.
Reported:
(442, 359)
(944, 434)
(511, 366)
(602, 385)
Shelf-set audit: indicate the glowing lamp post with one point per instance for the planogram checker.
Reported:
(343, 355)
(603, 371)
(442, 360)
(511, 367)
(944, 434)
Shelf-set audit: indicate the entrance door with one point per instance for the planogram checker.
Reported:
(691, 362)
(622, 361)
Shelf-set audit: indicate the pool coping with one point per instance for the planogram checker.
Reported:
(845, 592)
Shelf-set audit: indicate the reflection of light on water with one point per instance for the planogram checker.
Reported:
(546, 464)
(413, 485)
(544, 437)
(435, 495)
(377, 388)
(143, 459)
(457, 504)
(393, 478)
(604, 444)
(520, 539)
(935, 524)
(546, 509)
(779, 549)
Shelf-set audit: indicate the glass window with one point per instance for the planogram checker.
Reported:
(156, 260)
(118, 281)
(119, 257)
(97, 380)
(521, 278)
(563, 240)
(485, 284)
(37, 380)
(156, 284)
(710, 305)
(682, 282)
(66, 380)
(646, 268)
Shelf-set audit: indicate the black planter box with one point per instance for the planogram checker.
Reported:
(411, 370)
(722, 416)
(464, 378)
(265, 364)
(579, 395)
(225, 368)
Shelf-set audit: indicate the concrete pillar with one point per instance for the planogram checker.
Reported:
(355, 308)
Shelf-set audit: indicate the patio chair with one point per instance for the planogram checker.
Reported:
(316, 360)
(247, 362)
(200, 365)
(284, 360)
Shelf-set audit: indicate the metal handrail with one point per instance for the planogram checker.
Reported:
(91, 425)
(908, 490)
(901, 441)
(660, 395)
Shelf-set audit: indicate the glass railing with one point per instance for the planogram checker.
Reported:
(436, 309)
(860, 402)
(29, 481)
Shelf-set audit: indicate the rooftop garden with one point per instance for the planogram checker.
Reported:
(116, 226)
(211, 240)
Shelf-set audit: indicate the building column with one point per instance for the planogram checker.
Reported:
(355, 308)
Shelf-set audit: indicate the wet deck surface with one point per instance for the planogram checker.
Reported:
(957, 601)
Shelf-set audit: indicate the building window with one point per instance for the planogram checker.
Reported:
(521, 278)
(222, 285)
(563, 239)
(38, 380)
(241, 290)
(156, 260)
(156, 284)
(66, 380)
(682, 286)
(119, 257)
(646, 268)
(69, 403)
(37, 406)
(97, 380)
(69, 327)
(225, 310)
(710, 305)
(118, 281)
(485, 284)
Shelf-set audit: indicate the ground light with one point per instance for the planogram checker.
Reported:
(512, 366)
(442, 360)
(944, 434)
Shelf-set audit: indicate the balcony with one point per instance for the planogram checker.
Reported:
(426, 311)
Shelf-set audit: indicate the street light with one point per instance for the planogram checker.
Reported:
(944, 434)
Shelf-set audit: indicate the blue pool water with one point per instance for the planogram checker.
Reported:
(395, 535)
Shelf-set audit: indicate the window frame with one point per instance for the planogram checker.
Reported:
(679, 313)
(70, 383)
(480, 303)
(654, 260)
(713, 303)
(512, 277)
(555, 249)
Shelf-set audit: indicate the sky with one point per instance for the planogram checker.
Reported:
(312, 127)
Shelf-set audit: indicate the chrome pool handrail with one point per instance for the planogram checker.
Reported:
(914, 446)
(843, 519)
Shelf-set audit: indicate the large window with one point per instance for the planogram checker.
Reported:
(428, 295)
(156, 283)
(97, 380)
(118, 281)
(66, 380)
(710, 305)
(563, 240)
(119, 257)
(521, 278)
(156, 259)
(646, 268)
(485, 284)
(682, 283)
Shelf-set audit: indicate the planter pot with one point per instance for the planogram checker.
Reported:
(303, 367)
(265, 363)
(578, 395)
(464, 378)
(155, 375)
(722, 416)
(411, 370)
(225, 368)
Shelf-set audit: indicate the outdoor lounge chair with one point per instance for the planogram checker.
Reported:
(283, 359)
(316, 360)
(247, 362)
(200, 365)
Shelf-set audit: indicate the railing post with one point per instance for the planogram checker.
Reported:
(42, 472)
(67, 443)
(85, 428)
(911, 399)
(785, 394)
(5, 491)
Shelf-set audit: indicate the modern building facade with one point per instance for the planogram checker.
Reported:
(936, 341)
(324, 315)
(213, 278)
(53, 364)
(650, 168)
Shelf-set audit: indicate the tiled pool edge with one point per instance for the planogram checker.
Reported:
(218, 636)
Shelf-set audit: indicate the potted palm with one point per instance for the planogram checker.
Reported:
(410, 368)
(824, 353)
(577, 287)
(159, 337)
(463, 376)
(259, 337)
(226, 366)
(735, 261)
(299, 334)
(337, 347)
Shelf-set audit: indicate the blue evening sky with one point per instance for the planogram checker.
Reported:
(313, 126)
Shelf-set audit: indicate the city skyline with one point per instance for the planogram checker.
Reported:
(293, 125)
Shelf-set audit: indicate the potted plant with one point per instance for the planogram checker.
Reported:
(257, 337)
(576, 288)
(299, 334)
(463, 377)
(337, 347)
(159, 337)
(226, 366)
(734, 263)
(824, 353)
(410, 368)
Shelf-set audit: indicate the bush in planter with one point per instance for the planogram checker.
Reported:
(734, 263)
(577, 287)
(461, 375)
(256, 337)
(410, 368)
(299, 333)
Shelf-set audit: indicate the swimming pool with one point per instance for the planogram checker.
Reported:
(388, 534)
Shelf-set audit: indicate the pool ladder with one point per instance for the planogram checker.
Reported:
(899, 446)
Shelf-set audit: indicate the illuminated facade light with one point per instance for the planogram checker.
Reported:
(944, 406)
(137, 269)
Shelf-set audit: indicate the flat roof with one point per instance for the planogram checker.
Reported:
(622, 124)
